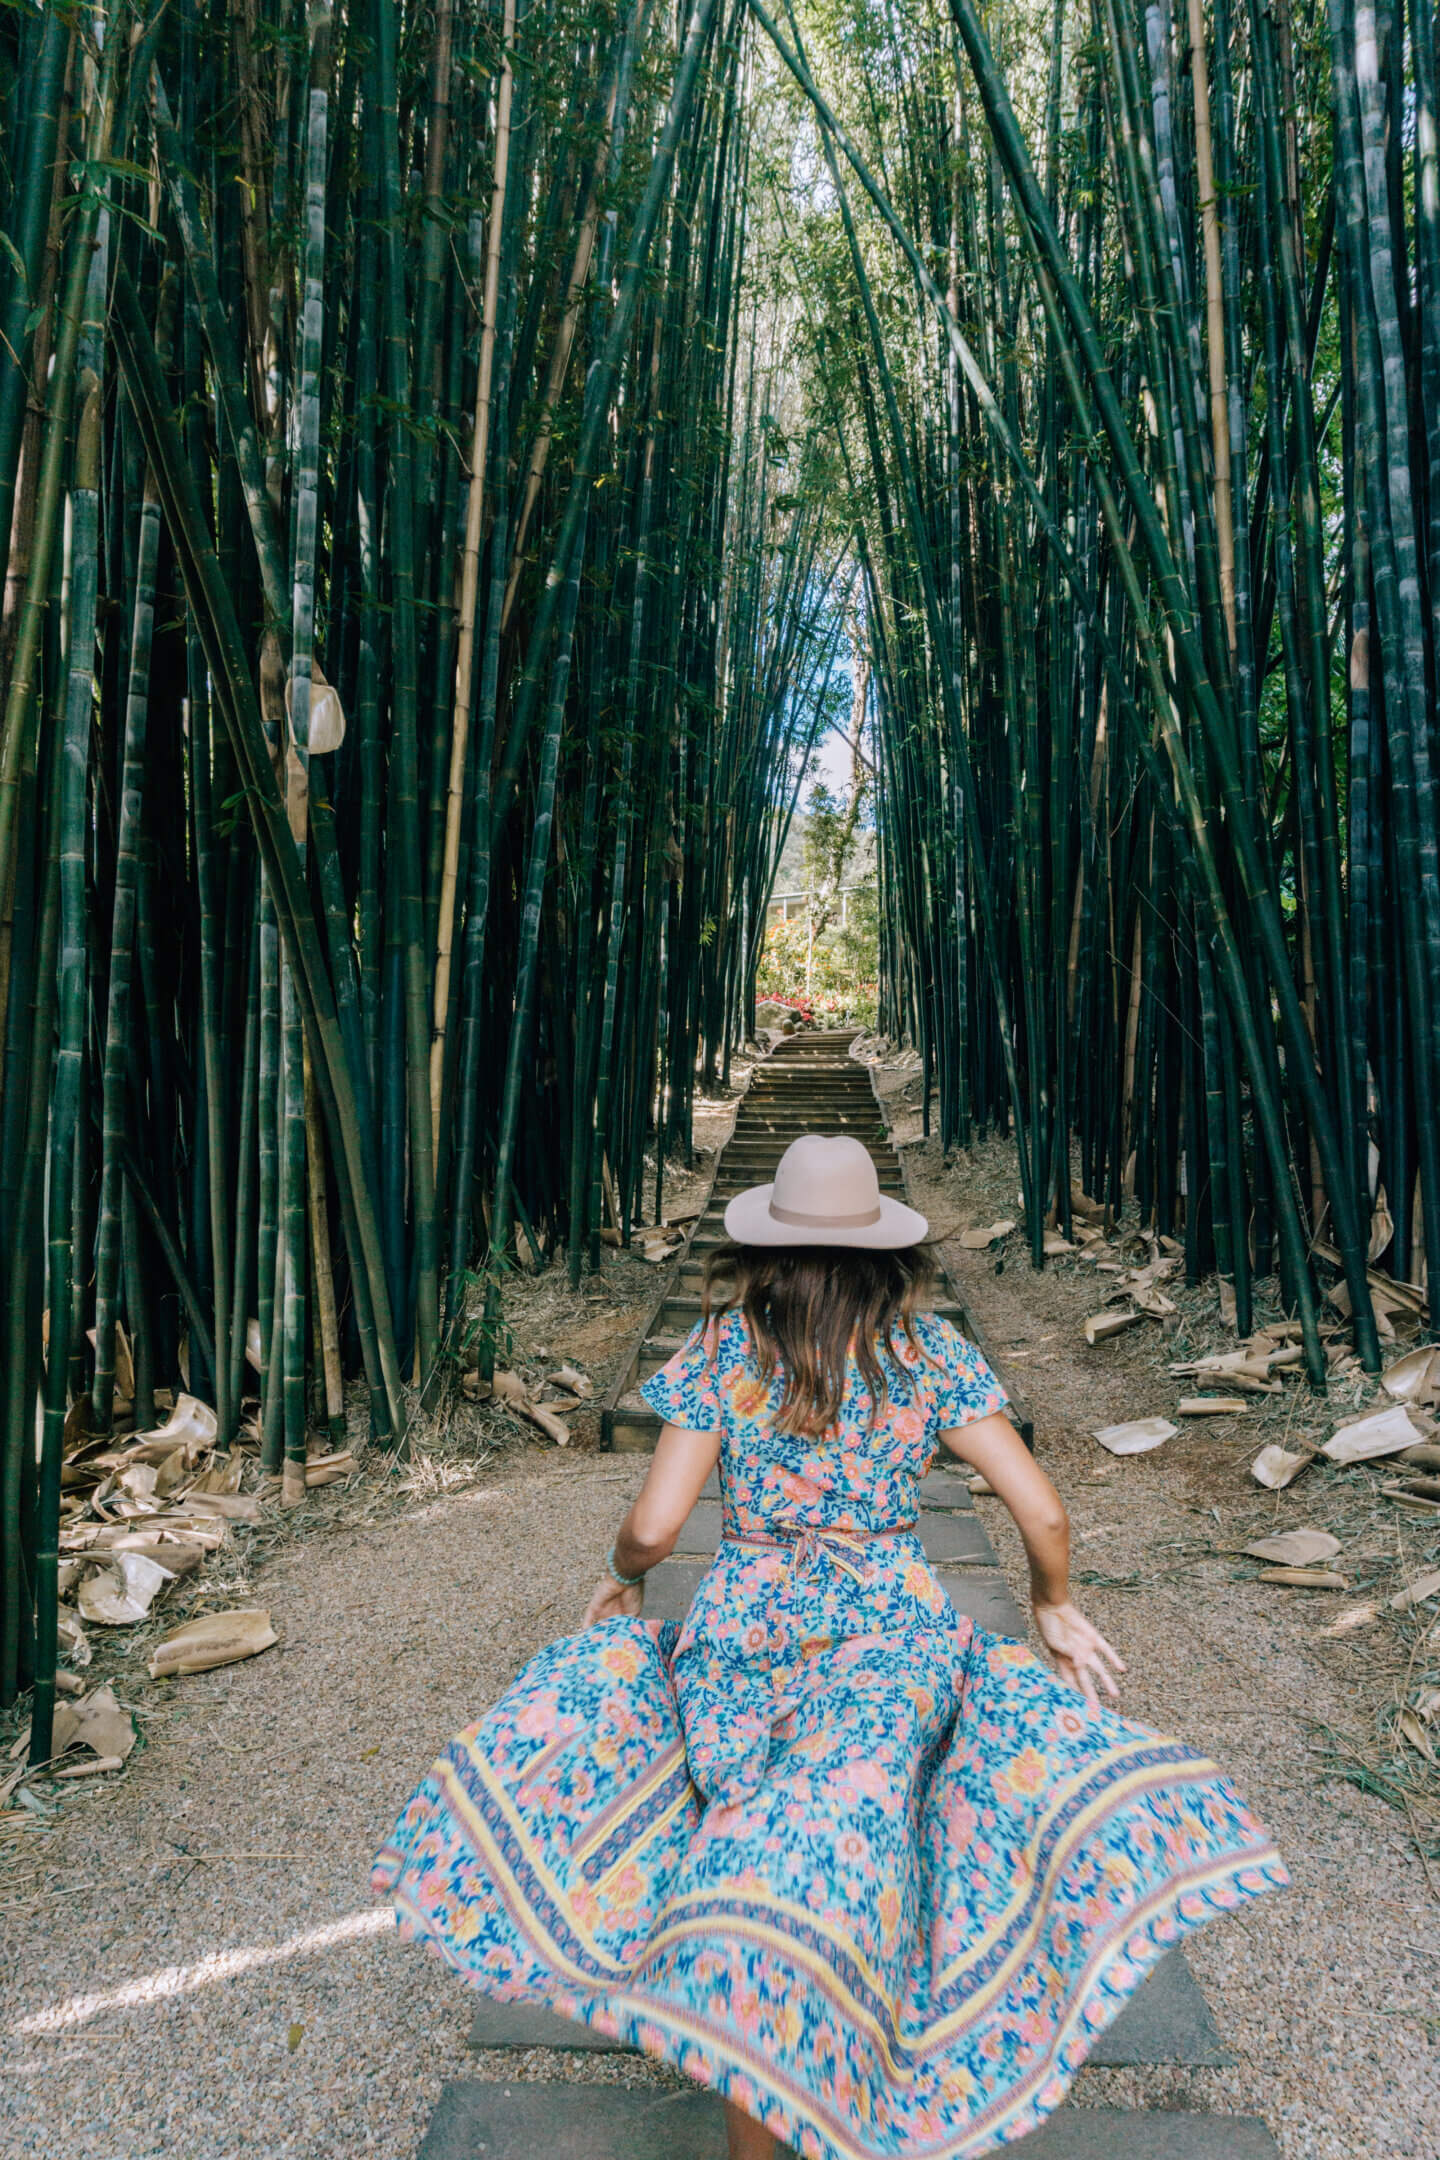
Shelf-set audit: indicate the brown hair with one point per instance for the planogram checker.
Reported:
(809, 1308)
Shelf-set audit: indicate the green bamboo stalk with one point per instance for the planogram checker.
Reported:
(405, 828)
(115, 1069)
(22, 692)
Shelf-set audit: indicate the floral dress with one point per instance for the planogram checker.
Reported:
(828, 1847)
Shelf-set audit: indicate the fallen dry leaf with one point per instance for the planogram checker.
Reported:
(1405, 1496)
(1414, 1378)
(510, 1388)
(329, 1469)
(123, 1590)
(1356, 1616)
(225, 1507)
(188, 1523)
(1300, 1578)
(1416, 1592)
(176, 1554)
(221, 1478)
(977, 1240)
(98, 1722)
(1383, 1432)
(171, 1472)
(215, 1639)
(124, 1365)
(1295, 1548)
(1416, 1734)
(191, 1424)
(88, 1769)
(547, 1421)
(568, 1377)
(1276, 1467)
(1101, 1326)
(1137, 1437)
(1212, 1406)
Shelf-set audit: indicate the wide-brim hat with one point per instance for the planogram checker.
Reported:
(826, 1192)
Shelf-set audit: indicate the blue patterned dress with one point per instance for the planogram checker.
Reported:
(830, 1848)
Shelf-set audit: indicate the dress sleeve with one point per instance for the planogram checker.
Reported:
(964, 1389)
(686, 1392)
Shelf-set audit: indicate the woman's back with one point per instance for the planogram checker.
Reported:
(862, 1472)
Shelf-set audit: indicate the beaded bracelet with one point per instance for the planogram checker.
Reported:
(626, 1582)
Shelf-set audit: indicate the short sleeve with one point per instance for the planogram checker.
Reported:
(686, 1391)
(964, 1389)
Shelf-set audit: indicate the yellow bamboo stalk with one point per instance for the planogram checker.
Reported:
(470, 580)
(326, 1313)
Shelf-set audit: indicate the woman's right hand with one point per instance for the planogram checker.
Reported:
(611, 1600)
(1078, 1651)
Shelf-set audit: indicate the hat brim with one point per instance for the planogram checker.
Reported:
(748, 1221)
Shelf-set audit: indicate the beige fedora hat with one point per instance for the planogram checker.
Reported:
(826, 1192)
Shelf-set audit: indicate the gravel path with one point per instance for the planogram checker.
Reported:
(200, 1971)
(244, 1830)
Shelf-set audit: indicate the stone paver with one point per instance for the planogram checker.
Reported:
(479, 2120)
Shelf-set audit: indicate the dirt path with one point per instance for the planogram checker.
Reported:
(197, 1969)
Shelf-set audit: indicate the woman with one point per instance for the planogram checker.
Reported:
(871, 1873)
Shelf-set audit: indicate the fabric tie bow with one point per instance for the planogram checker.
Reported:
(808, 1544)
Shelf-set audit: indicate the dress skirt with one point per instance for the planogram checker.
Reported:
(883, 1890)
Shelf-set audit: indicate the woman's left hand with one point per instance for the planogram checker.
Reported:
(610, 1600)
(1078, 1651)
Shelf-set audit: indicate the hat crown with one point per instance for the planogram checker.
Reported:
(824, 1179)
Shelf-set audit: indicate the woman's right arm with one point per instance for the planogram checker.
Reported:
(1078, 1650)
(681, 1463)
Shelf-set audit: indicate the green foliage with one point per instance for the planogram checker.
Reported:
(834, 975)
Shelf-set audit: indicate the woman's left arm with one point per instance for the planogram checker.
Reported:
(682, 1462)
(1078, 1650)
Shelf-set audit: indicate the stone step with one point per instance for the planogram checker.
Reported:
(684, 1307)
(757, 1166)
(479, 2119)
(1166, 2021)
(732, 1178)
(771, 1121)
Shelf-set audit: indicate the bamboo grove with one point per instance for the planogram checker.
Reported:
(457, 460)
(1126, 322)
(413, 617)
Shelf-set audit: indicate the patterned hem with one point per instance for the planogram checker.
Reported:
(674, 2034)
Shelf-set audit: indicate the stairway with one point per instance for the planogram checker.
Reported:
(810, 1084)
